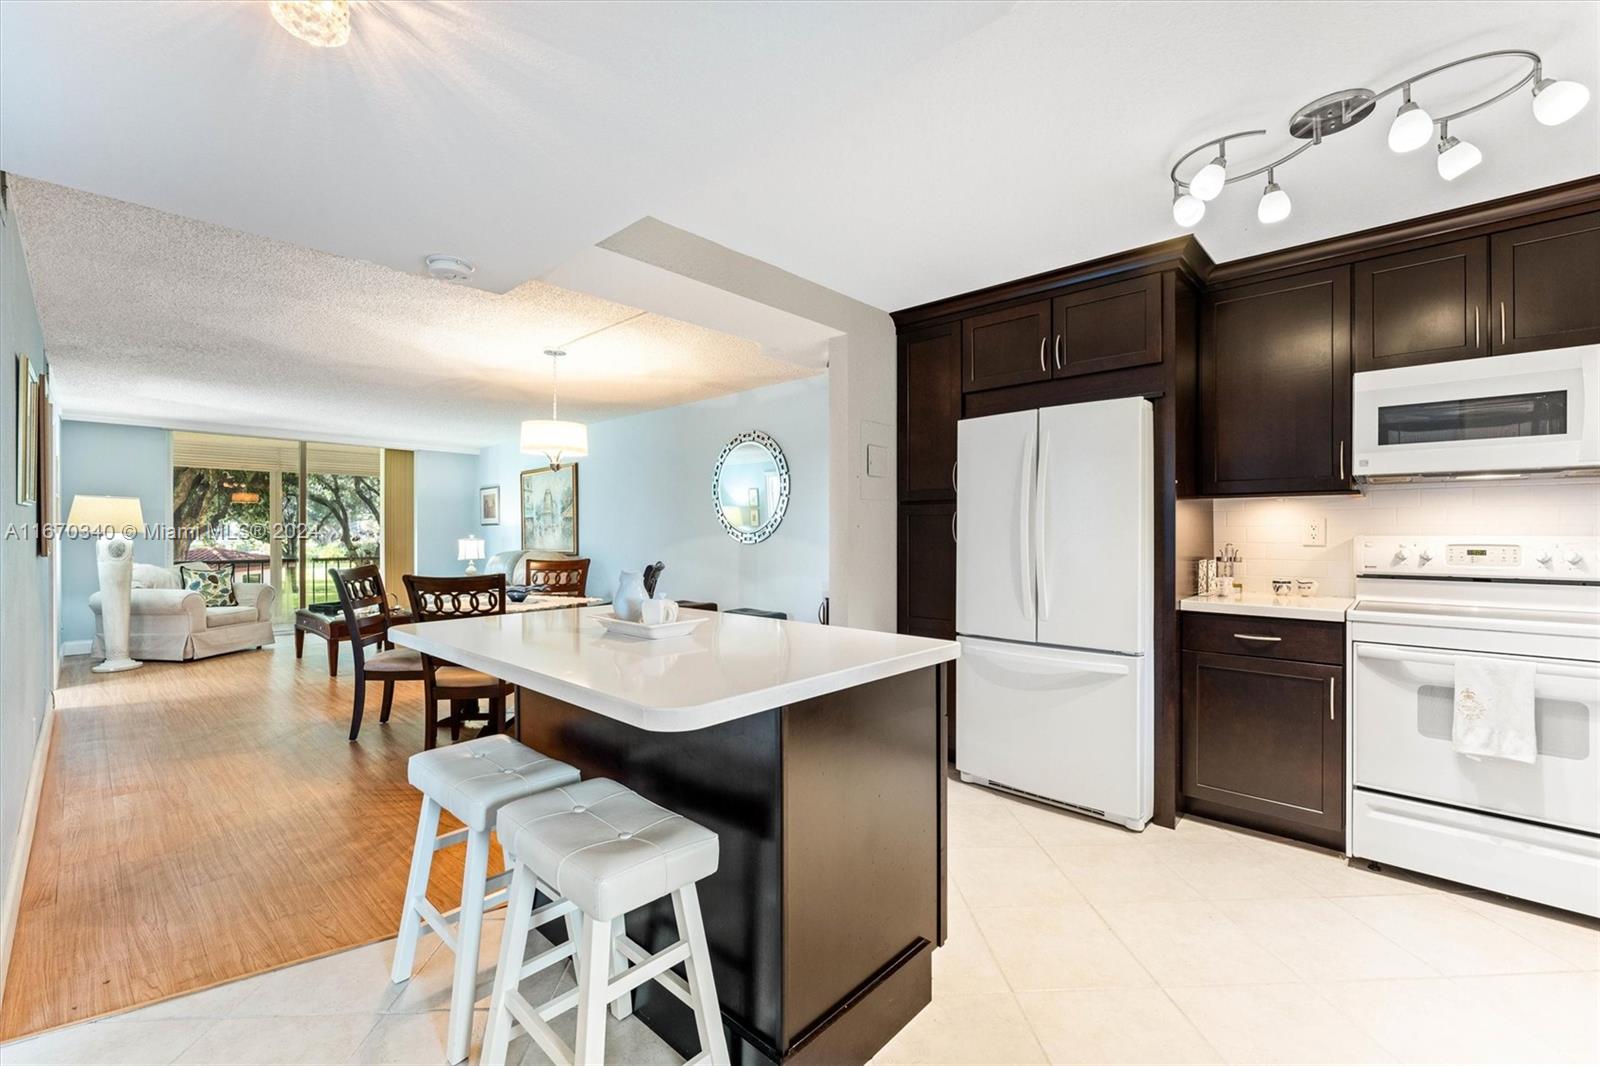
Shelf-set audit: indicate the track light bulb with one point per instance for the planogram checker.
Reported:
(1187, 210)
(1207, 182)
(1411, 129)
(1556, 101)
(1274, 205)
(1456, 157)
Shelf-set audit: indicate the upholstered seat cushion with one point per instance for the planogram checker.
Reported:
(394, 661)
(461, 677)
(217, 617)
(605, 847)
(473, 779)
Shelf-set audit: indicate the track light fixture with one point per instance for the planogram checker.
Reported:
(1554, 102)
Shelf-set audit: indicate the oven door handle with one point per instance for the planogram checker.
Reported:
(1544, 668)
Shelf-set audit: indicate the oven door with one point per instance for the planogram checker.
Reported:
(1403, 707)
(1507, 413)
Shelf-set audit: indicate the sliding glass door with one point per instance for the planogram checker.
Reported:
(237, 503)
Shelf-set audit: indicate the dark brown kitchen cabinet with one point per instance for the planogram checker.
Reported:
(1107, 327)
(930, 406)
(1275, 386)
(1263, 743)
(1545, 285)
(1429, 305)
(928, 570)
(1006, 347)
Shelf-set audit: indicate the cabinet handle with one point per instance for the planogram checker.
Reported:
(1477, 336)
(1058, 351)
(1502, 321)
(953, 529)
(953, 475)
(1044, 367)
(1252, 636)
(1330, 699)
(1341, 461)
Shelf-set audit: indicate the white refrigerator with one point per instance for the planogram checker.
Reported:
(1054, 595)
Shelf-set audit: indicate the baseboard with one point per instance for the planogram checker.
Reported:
(11, 907)
(76, 647)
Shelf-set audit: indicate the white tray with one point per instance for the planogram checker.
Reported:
(623, 627)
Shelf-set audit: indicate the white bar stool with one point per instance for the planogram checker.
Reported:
(604, 850)
(472, 780)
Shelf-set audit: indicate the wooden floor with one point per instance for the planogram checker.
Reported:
(204, 821)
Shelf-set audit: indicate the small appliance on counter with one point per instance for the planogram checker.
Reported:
(1434, 617)
(1054, 604)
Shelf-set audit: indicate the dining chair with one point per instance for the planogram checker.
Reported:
(437, 598)
(557, 577)
(361, 589)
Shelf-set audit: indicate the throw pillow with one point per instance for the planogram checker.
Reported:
(214, 586)
(150, 576)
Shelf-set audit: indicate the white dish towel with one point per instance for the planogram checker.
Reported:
(1494, 709)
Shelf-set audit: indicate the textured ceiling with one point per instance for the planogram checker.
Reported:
(150, 315)
(896, 152)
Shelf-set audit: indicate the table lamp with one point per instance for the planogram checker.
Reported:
(113, 519)
(469, 550)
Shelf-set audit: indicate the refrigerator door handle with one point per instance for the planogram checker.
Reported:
(1041, 535)
(1051, 664)
(1024, 520)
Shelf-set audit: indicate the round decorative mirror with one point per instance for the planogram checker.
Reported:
(750, 487)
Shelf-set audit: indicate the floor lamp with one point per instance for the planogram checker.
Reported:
(114, 519)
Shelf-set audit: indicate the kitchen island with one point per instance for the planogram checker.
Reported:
(814, 752)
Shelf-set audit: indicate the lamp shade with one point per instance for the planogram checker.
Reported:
(469, 549)
(106, 514)
(321, 23)
(561, 441)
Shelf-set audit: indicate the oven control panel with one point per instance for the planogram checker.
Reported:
(1478, 556)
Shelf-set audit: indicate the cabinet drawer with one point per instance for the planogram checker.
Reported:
(1268, 638)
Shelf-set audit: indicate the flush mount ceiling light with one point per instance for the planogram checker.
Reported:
(321, 23)
(1554, 102)
(556, 440)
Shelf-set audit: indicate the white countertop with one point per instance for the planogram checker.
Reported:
(730, 667)
(1266, 605)
(551, 603)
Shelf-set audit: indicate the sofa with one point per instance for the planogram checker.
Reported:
(168, 622)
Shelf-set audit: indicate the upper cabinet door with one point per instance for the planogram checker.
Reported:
(1546, 285)
(1108, 327)
(1008, 347)
(1425, 306)
(930, 405)
(1275, 386)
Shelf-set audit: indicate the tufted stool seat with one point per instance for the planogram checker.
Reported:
(602, 850)
(605, 847)
(475, 778)
(472, 781)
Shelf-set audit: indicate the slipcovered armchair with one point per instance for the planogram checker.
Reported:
(173, 624)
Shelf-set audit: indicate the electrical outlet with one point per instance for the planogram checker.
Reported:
(1316, 534)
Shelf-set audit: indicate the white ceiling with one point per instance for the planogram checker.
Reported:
(151, 316)
(895, 152)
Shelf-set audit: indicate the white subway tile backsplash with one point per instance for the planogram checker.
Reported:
(1268, 532)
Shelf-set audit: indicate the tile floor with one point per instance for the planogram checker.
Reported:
(1071, 941)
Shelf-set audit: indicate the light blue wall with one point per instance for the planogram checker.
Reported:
(98, 459)
(26, 670)
(644, 493)
(446, 493)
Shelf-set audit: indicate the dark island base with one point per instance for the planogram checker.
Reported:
(830, 897)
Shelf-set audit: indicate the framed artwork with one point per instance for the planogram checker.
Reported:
(489, 505)
(45, 484)
(550, 509)
(27, 431)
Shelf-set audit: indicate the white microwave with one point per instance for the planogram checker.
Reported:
(1534, 412)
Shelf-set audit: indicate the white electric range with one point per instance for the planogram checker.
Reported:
(1423, 602)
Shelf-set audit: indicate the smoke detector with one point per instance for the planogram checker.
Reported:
(449, 267)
